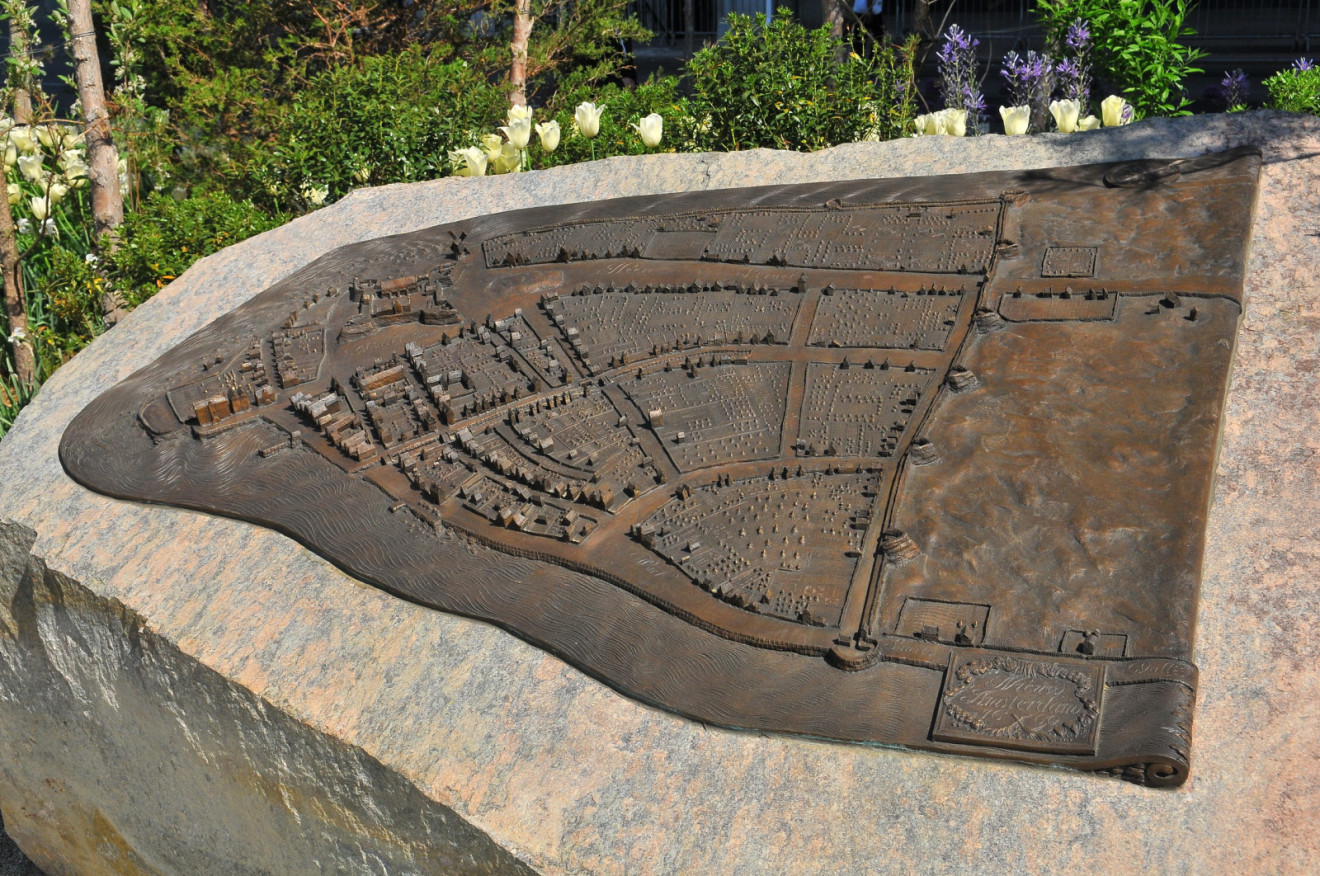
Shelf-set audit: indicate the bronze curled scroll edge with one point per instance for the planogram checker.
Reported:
(920, 461)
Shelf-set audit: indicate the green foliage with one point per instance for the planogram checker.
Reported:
(163, 237)
(1138, 48)
(390, 118)
(621, 109)
(1295, 90)
(14, 396)
(778, 85)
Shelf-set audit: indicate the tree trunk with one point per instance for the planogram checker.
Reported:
(102, 156)
(833, 13)
(18, 45)
(522, 32)
(25, 363)
(689, 27)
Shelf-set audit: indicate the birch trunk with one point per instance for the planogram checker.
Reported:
(25, 362)
(18, 44)
(102, 156)
(522, 32)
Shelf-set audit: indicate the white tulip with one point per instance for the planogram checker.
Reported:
(11, 154)
(509, 160)
(1090, 123)
(925, 125)
(57, 191)
(40, 208)
(519, 132)
(48, 135)
(22, 138)
(954, 122)
(651, 129)
(1017, 119)
(15, 193)
(549, 134)
(73, 163)
(6, 124)
(518, 114)
(471, 159)
(315, 195)
(30, 165)
(1115, 111)
(1065, 114)
(587, 116)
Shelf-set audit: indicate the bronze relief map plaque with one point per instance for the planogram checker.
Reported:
(919, 461)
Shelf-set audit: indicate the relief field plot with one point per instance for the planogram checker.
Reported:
(717, 414)
(785, 547)
(614, 324)
(885, 319)
(856, 410)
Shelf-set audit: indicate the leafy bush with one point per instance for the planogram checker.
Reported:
(1296, 90)
(621, 109)
(778, 85)
(1138, 52)
(163, 237)
(390, 118)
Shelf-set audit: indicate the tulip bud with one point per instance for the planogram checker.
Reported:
(46, 135)
(1115, 111)
(651, 129)
(518, 114)
(519, 132)
(11, 155)
(1065, 114)
(469, 162)
(1017, 119)
(1090, 123)
(587, 116)
(57, 191)
(15, 193)
(40, 208)
(549, 134)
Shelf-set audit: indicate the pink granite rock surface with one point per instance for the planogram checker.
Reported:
(181, 693)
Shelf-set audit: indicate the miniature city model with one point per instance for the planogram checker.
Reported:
(921, 461)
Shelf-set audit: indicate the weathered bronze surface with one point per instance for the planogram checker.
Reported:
(921, 461)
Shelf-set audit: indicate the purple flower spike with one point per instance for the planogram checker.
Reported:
(1237, 88)
(1303, 64)
(1078, 38)
(960, 85)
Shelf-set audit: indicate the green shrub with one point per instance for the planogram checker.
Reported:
(390, 118)
(1295, 90)
(163, 237)
(778, 85)
(621, 109)
(1137, 48)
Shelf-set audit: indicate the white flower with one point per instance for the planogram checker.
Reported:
(955, 122)
(91, 258)
(31, 167)
(519, 132)
(1089, 123)
(1016, 119)
(315, 195)
(40, 208)
(519, 114)
(21, 137)
(24, 225)
(509, 160)
(1065, 114)
(587, 116)
(15, 193)
(6, 124)
(1115, 111)
(57, 191)
(11, 154)
(19, 335)
(651, 129)
(49, 135)
(74, 163)
(470, 161)
(925, 125)
(549, 134)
